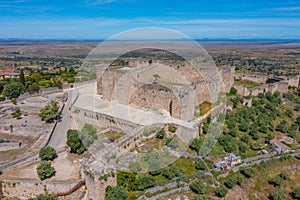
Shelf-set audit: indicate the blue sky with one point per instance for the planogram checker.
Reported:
(99, 19)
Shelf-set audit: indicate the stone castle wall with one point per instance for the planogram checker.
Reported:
(206, 84)
(294, 81)
(251, 77)
(24, 189)
(154, 96)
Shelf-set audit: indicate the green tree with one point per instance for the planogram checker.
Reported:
(200, 165)
(74, 142)
(298, 121)
(146, 182)
(171, 173)
(22, 77)
(232, 91)
(248, 172)
(115, 193)
(45, 170)
(289, 113)
(221, 191)
(276, 181)
(201, 197)
(197, 186)
(277, 195)
(296, 193)
(13, 90)
(231, 181)
(195, 145)
(49, 112)
(282, 126)
(47, 153)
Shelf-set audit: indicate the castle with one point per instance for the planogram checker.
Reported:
(138, 96)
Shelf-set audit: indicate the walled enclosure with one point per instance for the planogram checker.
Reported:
(176, 87)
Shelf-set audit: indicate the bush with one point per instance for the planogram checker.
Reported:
(247, 172)
(17, 113)
(172, 128)
(200, 197)
(197, 187)
(2, 98)
(47, 153)
(276, 181)
(170, 173)
(49, 112)
(195, 145)
(296, 193)
(45, 170)
(160, 134)
(146, 182)
(232, 91)
(115, 193)
(277, 195)
(200, 165)
(230, 182)
(221, 191)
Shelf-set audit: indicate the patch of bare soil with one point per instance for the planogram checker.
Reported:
(66, 168)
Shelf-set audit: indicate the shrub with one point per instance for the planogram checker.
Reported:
(277, 195)
(160, 134)
(200, 165)
(197, 187)
(296, 193)
(49, 112)
(230, 182)
(115, 193)
(172, 128)
(221, 191)
(247, 172)
(232, 91)
(146, 182)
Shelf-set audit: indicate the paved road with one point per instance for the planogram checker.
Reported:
(59, 138)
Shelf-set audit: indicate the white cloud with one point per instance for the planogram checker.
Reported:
(100, 2)
(293, 8)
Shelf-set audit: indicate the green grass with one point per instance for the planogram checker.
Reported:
(249, 84)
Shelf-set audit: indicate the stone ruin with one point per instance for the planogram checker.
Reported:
(176, 87)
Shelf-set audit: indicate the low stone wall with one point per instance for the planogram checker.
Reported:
(251, 77)
(24, 189)
(281, 87)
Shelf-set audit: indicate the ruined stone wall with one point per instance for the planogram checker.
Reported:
(227, 73)
(242, 90)
(97, 183)
(156, 97)
(281, 87)
(294, 81)
(251, 77)
(106, 121)
(24, 189)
